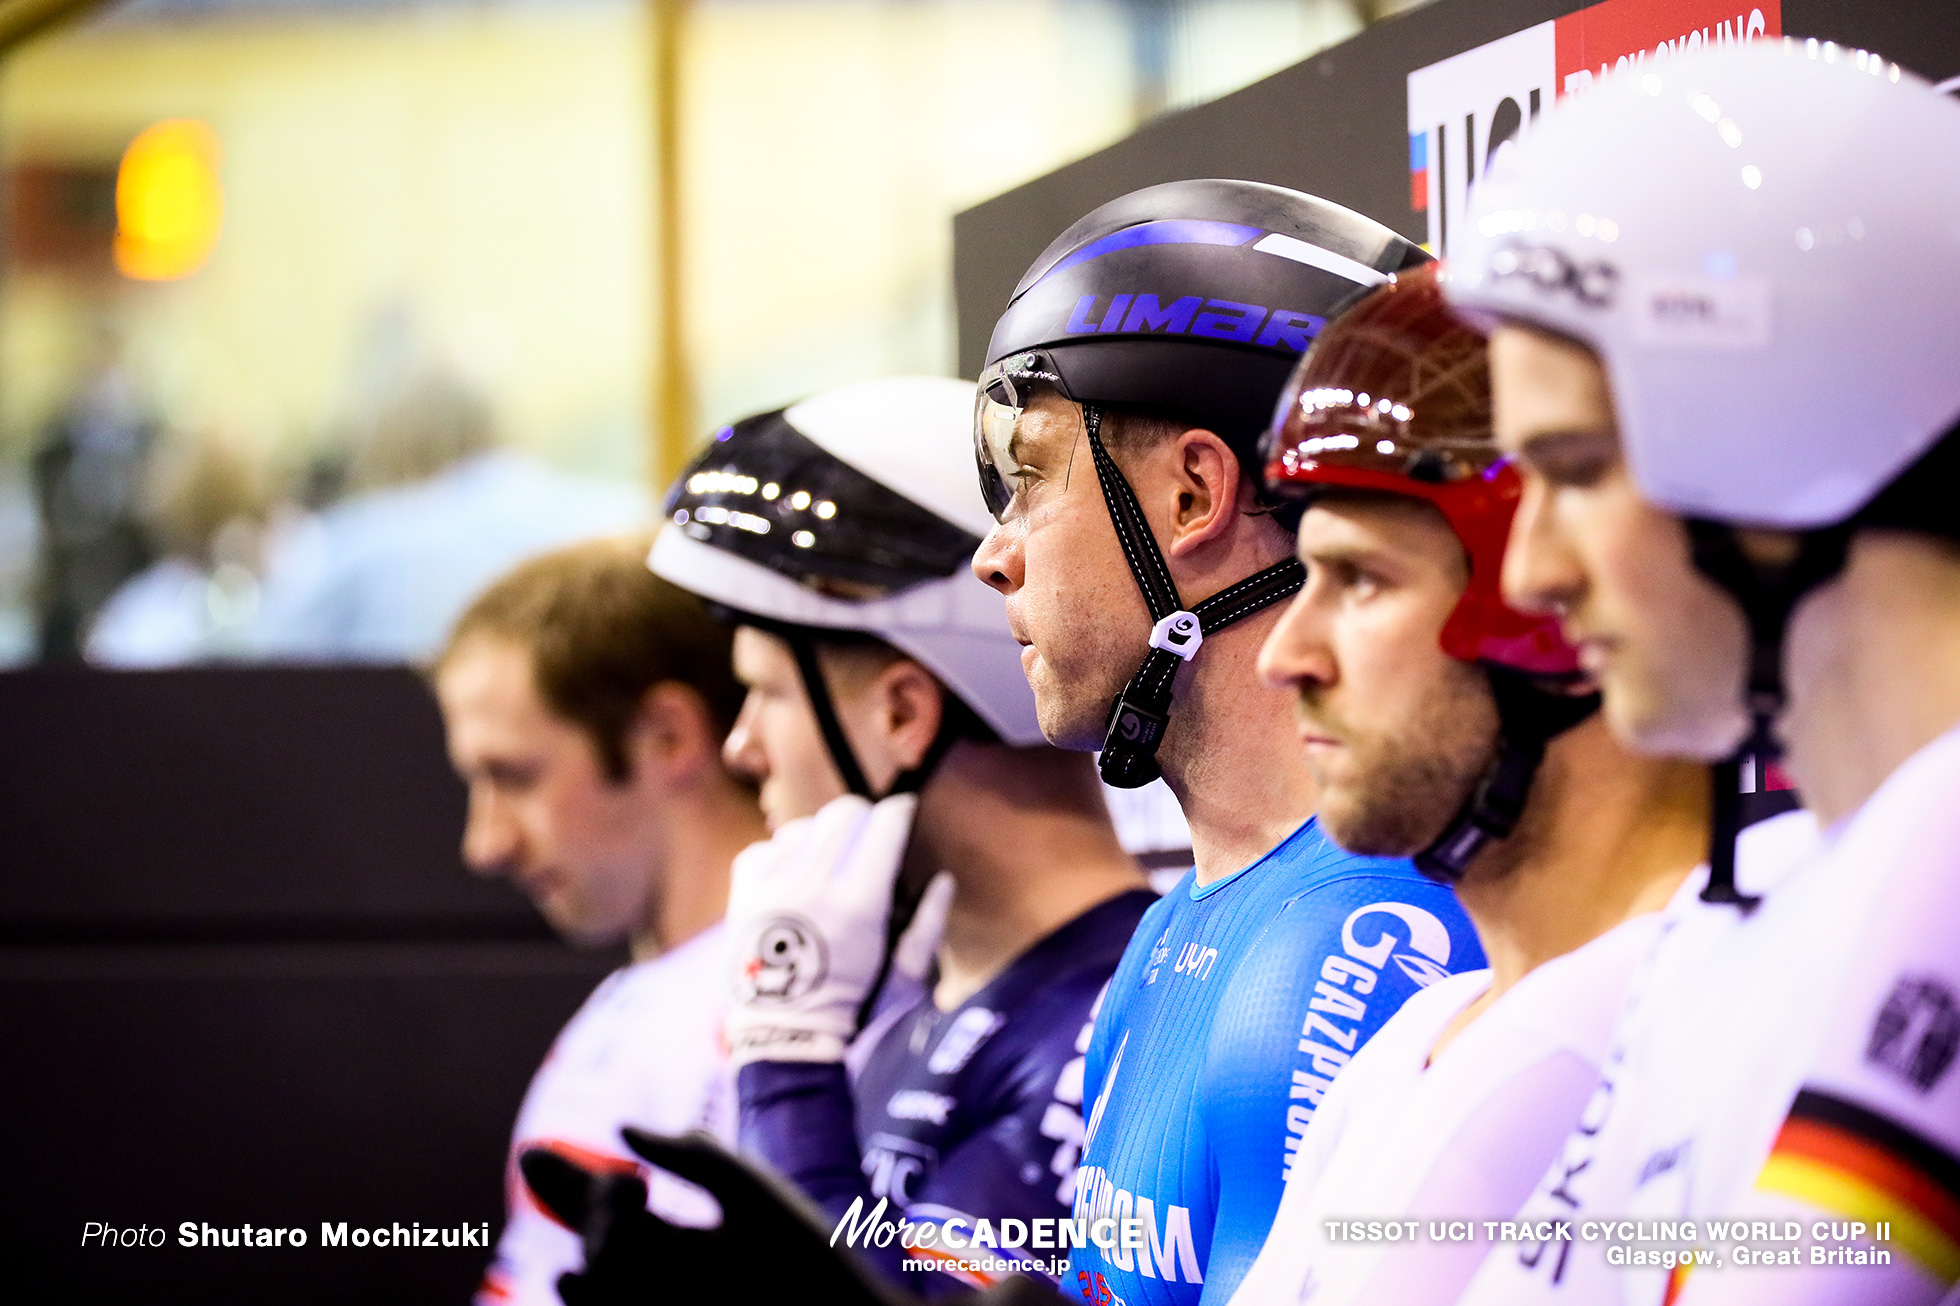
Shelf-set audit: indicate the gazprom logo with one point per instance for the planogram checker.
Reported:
(1428, 939)
(1194, 315)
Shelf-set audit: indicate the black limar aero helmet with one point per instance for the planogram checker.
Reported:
(1196, 298)
(1193, 299)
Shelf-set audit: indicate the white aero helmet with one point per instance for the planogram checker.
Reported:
(856, 512)
(1762, 244)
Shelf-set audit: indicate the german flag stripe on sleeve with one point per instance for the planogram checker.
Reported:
(1842, 1158)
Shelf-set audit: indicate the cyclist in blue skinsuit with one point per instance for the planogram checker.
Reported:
(1149, 345)
(1145, 352)
(1220, 1032)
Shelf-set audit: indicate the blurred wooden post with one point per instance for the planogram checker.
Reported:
(20, 19)
(672, 396)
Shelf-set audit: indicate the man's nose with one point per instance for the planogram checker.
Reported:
(999, 561)
(1295, 652)
(742, 751)
(1542, 572)
(491, 838)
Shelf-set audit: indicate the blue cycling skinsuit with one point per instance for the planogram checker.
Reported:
(1225, 1021)
(970, 1115)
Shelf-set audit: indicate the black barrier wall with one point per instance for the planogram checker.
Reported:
(245, 979)
(1336, 125)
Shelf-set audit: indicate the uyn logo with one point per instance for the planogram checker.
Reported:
(1196, 960)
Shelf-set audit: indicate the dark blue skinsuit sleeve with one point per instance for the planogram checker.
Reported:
(1304, 985)
(1010, 1164)
(973, 1113)
(799, 1118)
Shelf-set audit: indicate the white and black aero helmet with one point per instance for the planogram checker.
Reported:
(1775, 304)
(1190, 300)
(855, 513)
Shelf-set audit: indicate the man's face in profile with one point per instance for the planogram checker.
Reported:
(543, 812)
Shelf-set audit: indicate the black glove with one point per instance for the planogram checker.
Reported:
(631, 1255)
(771, 1247)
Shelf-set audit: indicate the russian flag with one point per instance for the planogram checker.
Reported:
(1419, 171)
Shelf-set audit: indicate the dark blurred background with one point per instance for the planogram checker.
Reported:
(244, 977)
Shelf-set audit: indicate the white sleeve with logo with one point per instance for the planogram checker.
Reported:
(1868, 1155)
(1440, 1140)
(1674, 1055)
(645, 1050)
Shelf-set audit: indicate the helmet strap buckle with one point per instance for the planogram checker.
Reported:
(1140, 716)
(1130, 739)
(1180, 634)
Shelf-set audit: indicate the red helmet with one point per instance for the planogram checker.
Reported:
(1395, 396)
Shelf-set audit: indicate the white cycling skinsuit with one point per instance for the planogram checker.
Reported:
(1460, 1135)
(1793, 1064)
(646, 1049)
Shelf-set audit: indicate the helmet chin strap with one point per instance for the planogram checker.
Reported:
(1141, 713)
(817, 689)
(905, 896)
(1768, 593)
(824, 708)
(1528, 719)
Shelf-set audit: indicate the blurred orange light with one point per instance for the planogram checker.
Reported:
(169, 203)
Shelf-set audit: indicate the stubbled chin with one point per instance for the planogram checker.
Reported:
(1070, 725)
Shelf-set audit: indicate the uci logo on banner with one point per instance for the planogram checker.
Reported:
(1462, 109)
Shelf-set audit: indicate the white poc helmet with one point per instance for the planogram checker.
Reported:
(855, 511)
(1762, 244)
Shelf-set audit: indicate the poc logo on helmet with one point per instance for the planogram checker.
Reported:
(786, 961)
(1551, 271)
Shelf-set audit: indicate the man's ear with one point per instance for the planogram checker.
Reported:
(672, 734)
(911, 708)
(1210, 492)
